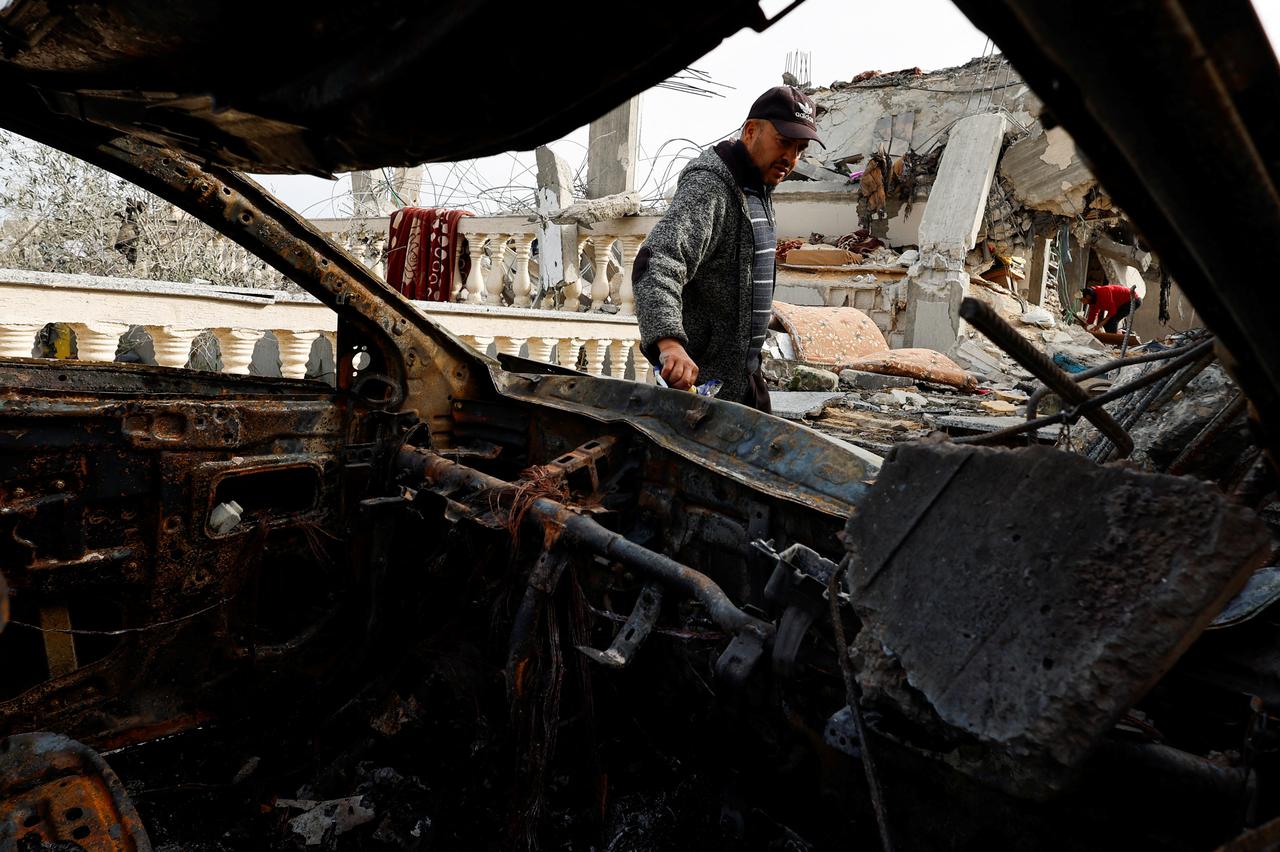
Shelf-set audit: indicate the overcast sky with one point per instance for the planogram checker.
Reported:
(843, 39)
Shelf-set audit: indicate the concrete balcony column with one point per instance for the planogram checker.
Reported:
(521, 286)
(295, 352)
(172, 345)
(236, 345)
(478, 342)
(543, 349)
(509, 345)
(98, 341)
(493, 283)
(596, 350)
(618, 352)
(18, 340)
(626, 294)
(640, 365)
(473, 289)
(573, 290)
(600, 249)
(568, 355)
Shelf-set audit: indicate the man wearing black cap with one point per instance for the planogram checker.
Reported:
(704, 277)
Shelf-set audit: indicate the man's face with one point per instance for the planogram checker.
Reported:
(774, 155)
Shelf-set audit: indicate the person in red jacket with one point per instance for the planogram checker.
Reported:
(1108, 305)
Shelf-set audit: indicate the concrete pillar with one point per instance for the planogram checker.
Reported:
(557, 244)
(1038, 267)
(949, 228)
(612, 150)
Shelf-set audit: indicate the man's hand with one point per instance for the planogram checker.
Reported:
(678, 369)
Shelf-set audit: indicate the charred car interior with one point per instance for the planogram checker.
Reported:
(468, 602)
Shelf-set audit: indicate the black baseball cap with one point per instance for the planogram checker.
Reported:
(790, 110)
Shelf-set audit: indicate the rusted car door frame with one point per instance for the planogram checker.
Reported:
(420, 383)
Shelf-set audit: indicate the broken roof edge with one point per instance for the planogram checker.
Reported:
(881, 80)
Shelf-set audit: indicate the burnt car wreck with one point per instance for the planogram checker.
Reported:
(468, 602)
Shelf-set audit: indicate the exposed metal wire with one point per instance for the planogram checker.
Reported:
(853, 696)
(1073, 414)
(74, 631)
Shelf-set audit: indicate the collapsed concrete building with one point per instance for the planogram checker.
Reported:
(973, 168)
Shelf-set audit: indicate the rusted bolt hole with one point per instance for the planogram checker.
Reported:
(172, 524)
(200, 422)
(226, 190)
(73, 814)
(220, 415)
(31, 821)
(246, 218)
(62, 378)
(81, 832)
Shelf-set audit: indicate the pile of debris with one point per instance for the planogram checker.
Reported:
(818, 365)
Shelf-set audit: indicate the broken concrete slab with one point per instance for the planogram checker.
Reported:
(973, 356)
(796, 405)
(1047, 173)
(584, 214)
(863, 380)
(806, 378)
(990, 620)
(1017, 397)
(975, 424)
(908, 398)
(999, 406)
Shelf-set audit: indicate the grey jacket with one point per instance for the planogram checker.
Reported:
(692, 277)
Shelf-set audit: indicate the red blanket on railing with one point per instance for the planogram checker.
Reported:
(422, 252)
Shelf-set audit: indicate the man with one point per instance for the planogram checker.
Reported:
(704, 278)
(1108, 305)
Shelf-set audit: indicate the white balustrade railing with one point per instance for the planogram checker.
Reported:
(502, 263)
(101, 311)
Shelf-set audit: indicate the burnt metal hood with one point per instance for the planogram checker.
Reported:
(328, 86)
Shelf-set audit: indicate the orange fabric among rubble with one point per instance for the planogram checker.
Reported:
(822, 335)
(924, 364)
(846, 338)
